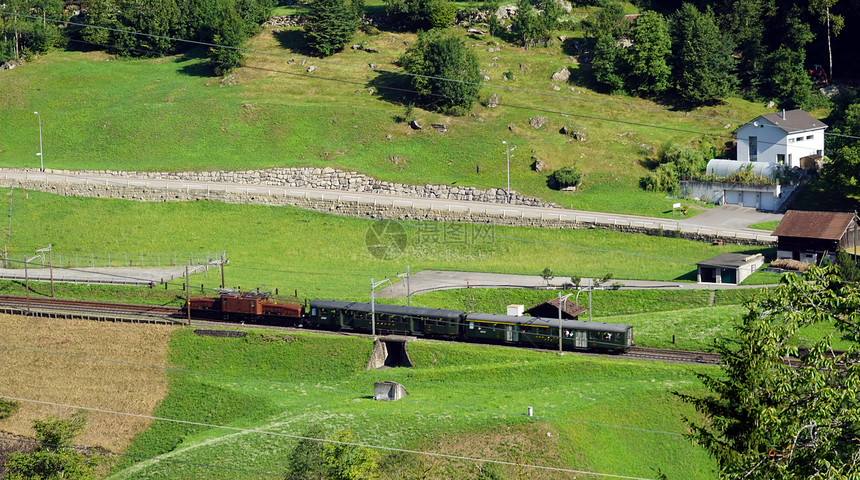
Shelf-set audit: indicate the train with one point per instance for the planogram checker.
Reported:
(438, 323)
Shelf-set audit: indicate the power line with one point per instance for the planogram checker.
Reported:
(336, 442)
(323, 389)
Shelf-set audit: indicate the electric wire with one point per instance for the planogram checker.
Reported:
(326, 389)
(321, 440)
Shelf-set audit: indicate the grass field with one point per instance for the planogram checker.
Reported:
(283, 383)
(99, 112)
(324, 256)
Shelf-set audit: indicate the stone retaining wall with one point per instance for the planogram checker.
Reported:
(358, 209)
(328, 179)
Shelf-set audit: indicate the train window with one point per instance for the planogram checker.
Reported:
(314, 311)
(471, 325)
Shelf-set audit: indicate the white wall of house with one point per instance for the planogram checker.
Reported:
(772, 144)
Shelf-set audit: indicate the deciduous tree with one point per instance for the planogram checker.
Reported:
(445, 72)
(786, 405)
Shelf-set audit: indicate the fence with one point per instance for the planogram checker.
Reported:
(116, 259)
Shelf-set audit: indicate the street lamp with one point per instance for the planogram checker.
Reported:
(41, 158)
(373, 304)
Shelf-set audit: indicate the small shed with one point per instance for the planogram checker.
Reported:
(730, 268)
(810, 236)
(549, 309)
(388, 391)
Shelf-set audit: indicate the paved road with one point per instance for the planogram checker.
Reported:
(727, 221)
(430, 280)
(102, 275)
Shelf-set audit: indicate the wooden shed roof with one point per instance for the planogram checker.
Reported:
(820, 225)
(570, 308)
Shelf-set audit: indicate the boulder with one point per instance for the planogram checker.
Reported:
(493, 102)
(415, 125)
(538, 122)
(537, 164)
(562, 75)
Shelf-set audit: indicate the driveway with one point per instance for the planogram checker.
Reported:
(732, 217)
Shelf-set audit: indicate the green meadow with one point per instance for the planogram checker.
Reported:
(101, 112)
(468, 401)
(321, 255)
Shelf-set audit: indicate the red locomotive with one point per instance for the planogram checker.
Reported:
(253, 307)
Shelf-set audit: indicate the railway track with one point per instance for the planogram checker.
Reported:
(89, 310)
(172, 315)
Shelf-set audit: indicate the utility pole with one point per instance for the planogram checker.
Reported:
(560, 298)
(187, 295)
(50, 264)
(27, 278)
(408, 291)
(373, 304)
(222, 270)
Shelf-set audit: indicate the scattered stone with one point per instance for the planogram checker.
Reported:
(311, 68)
(556, 88)
(356, 47)
(370, 50)
(771, 104)
(486, 78)
(303, 62)
(439, 127)
(562, 38)
(562, 75)
(493, 102)
(371, 65)
(371, 91)
(511, 127)
(388, 137)
(571, 188)
(415, 125)
(476, 31)
(537, 164)
(538, 122)
(575, 91)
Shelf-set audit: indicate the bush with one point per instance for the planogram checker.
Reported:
(565, 177)
(7, 408)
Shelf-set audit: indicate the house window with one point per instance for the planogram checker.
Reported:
(753, 149)
(809, 137)
(790, 140)
(799, 139)
(780, 157)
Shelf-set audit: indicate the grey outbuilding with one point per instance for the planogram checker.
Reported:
(730, 268)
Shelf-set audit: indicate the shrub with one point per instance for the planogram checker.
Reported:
(565, 177)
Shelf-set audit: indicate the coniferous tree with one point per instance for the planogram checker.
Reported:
(648, 71)
(330, 25)
(701, 57)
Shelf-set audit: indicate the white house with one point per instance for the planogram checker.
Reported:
(793, 138)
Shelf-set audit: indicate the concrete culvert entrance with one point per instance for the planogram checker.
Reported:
(390, 352)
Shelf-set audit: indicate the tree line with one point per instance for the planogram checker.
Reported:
(133, 27)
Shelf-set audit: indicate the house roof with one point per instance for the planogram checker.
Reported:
(791, 121)
(569, 307)
(730, 260)
(820, 225)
